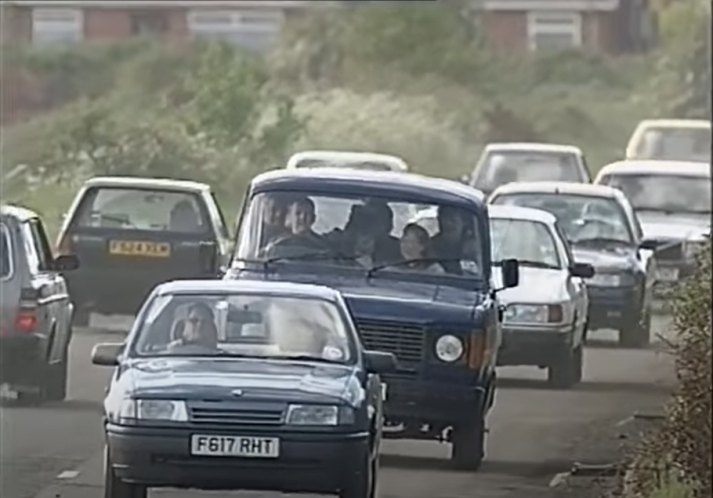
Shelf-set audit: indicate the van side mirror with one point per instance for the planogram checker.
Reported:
(582, 270)
(66, 262)
(510, 270)
(379, 362)
(107, 354)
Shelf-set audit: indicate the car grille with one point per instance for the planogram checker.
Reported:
(231, 414)
(670, 251)
(406, 342)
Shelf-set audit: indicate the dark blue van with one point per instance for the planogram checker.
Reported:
(418, 288)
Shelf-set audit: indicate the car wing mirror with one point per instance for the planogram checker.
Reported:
(107, 354)
(510, 269)
(582, 270)
(379, 362)
(648, 245)
(66, 262)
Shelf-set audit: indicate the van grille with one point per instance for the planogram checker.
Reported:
(406, 342)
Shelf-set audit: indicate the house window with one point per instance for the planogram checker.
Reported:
(554, 30)
(148, 23)
(253, 30)
(57, 26)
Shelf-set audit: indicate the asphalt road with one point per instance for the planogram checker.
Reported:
(54, 451)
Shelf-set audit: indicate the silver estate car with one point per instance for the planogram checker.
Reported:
(35, 309)
(547, 314)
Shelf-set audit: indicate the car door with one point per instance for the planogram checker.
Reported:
(50, 287)
(576, 286)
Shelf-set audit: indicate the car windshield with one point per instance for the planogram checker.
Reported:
(364, 233)
(583, 218)
(344, 163)
(142, 209)
(249, 325)
(530, 242)
(5, 263)
(500, 168)
(676, 144)
(668, 193)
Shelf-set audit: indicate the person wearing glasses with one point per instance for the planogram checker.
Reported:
(197, 333)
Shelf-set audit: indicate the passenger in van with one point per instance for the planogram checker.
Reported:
(451, 241)
(184, 218)
(273, 228)
(301, 238)
(416, 245)
(195, 333)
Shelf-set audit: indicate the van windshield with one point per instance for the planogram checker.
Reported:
(142, 209)
(366, 232)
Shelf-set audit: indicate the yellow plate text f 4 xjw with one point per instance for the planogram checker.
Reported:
(138, 248)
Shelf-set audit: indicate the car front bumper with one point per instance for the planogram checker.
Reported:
(412, 400)
(22, 359)
(308, 462)
(534, 345)
(613, 307)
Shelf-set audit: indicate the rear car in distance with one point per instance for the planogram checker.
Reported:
(546, 315)
(671, 140)
(502, 163)
(35, 309)
(133, 233)
(226, 385)
(672, 200)
(602, 230)
(346, 159)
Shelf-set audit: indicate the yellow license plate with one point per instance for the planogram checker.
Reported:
(137, 248)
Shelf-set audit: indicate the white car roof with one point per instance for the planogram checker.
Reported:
(394, 162)
(557, 188)
(675, 123)
(532, 146)
(147, 183)
(657, 167)
(521, 213)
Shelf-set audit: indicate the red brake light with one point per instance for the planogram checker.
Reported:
(26, 321)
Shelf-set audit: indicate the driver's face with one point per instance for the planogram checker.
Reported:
(195, 324)
(450, 224)
(301, 218)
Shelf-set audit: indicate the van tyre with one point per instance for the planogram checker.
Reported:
(636, 333)
(56, 381)
(567, 370)
(115, 487)
(468, 444)
(362, 483)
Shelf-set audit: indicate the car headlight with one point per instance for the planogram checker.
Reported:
(449, 348)
(534, 313)
(153, 409)
(316, 415)
(610, 280)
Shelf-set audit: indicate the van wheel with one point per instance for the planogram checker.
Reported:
(56, 381)
(567, 371)
(468, 444)
(115, 487)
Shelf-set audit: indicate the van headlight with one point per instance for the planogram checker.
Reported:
(449, 348)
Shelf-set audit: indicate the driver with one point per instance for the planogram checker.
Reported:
(452, 239)
(197, 332)
(299, 221)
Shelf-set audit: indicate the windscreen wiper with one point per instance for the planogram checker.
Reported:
(404, 262)
(312, 256)
(532, 263)
(305, 357)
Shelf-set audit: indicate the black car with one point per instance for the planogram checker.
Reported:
(134, 233)
(243, 385)
(603, 231)
(35, 309)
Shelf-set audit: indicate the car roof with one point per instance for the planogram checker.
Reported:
(657, 167)
(248, 287)
(571, 188)
(146, 183)
(675, 123)
(521, 213)
(344, 154)
(368, 183)
(18, 212)
(532, 146)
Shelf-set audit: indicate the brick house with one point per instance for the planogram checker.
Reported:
(253, 24)
(609, 26)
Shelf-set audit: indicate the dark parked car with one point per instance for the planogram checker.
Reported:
(243, 385)
(35, 309)
(428, 300)
(603, 231)
(134, 233)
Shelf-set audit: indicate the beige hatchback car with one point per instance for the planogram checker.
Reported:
(672, 140)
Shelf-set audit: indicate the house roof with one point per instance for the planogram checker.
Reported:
(555, 5)
(123, 4)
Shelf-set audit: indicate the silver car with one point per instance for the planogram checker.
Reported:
(346, 159)
(672, 200)
(546, 315)
(35, 309)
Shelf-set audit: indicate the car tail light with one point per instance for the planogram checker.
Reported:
(554, 313)
(476, 349)
(26, 320)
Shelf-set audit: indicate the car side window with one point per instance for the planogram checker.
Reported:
(567, 249)
(37, 248)
(218, 215)
(5, 253)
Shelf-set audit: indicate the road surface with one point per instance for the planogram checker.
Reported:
(54, 451)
